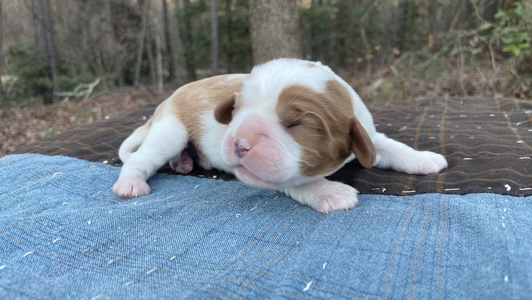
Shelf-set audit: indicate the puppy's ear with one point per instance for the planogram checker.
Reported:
(362, 145)
(223, 113)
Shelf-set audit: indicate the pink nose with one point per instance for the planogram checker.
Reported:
(242, 146)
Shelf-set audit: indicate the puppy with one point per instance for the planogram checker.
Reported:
(285, 126)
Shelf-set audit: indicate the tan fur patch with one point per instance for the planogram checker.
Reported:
(192, 100)
(320, 123)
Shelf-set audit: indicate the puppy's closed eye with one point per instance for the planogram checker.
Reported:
(290, 118)
(292, 125)
(294, 119)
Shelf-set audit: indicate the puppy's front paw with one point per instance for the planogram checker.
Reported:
(337, 196)
(324, 196)
(429, 163)
(131, 188)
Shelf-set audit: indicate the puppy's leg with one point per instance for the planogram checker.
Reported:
(324, 196)
(400, 157)
(166, 139)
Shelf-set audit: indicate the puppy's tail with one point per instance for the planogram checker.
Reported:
(133, 142)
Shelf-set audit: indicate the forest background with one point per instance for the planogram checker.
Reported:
(129, 49)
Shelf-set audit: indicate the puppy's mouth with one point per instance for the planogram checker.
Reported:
(249, 178)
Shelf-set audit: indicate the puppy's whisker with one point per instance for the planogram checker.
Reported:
(284, 148)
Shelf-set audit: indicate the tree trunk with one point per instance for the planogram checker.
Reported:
(185, 31)
(159, 62)
(117, 56)
(144, 9)
(338, 44)
(2, 58)
(151, 62)
(455, 14)
(274, 30)
(158, 33)
(169, 53)
(229, 36)
(46, 51)
(404, 8)
(489, 9)
(214, 38)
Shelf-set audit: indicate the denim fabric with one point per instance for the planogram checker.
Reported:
(64, 234)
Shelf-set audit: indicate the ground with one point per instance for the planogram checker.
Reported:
(23, 125)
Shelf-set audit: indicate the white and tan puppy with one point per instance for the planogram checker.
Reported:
(285, 126)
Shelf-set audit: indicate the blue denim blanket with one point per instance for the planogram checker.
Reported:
(63, 234)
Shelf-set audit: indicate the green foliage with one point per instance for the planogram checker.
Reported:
(50, 132)
(32, 79)
(513, 28)
(81, 115)
(433, 68)
(31, 75)
(70, 82)
(316, 23)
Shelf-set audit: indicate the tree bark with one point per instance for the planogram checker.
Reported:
(185, 31)
(151, 62)
(229, 36)
(2, 57)
(489, 9)
(214, 38)
(144, 9)
(455, 14)
(158, 33)
(404, 8)
(46, 51)
(169, 52)
(117, 56)
(159, 62)
(275, 30)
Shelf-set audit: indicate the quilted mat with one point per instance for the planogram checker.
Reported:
(487, 142)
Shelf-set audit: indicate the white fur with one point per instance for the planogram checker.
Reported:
(256, 124)
(210, 141)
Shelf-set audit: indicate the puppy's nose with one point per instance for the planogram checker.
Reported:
(242, 146)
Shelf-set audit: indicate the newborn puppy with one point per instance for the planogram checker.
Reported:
(285, 126)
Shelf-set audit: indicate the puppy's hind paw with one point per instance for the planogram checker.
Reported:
(183, 163)
(131, 188)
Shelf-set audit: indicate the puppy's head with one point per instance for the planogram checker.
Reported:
(292, 123)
